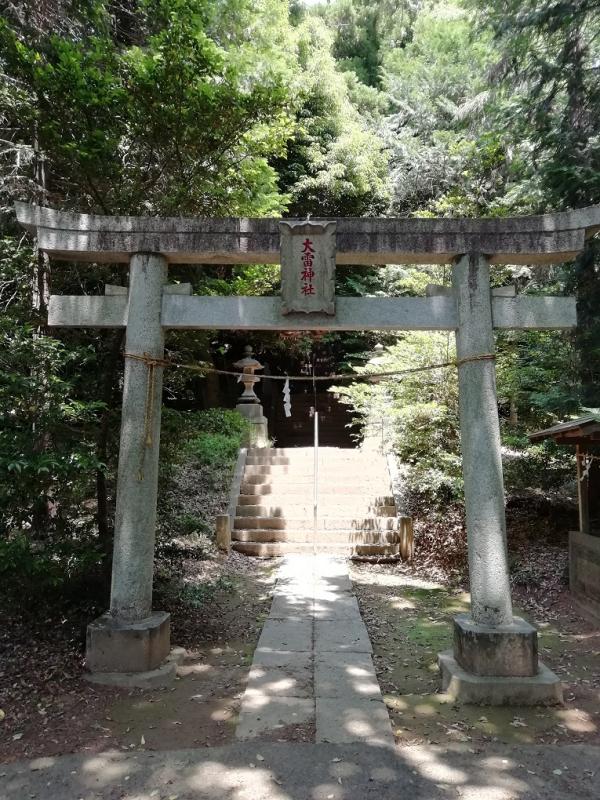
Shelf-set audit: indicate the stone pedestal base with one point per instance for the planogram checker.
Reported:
(117, 646)
(259, 432)
(153, 679)
(507, 651)
(544, 688)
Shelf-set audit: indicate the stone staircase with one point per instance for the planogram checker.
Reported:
(356, 513)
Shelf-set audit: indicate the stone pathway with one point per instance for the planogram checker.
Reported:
(312, 676)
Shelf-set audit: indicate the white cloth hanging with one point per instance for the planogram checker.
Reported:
(287, 403)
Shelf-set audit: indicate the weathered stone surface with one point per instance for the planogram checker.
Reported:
(223, 526)
(110, 289)
(236, 482)
(352, 313)
(544, 688)
(292, 680)
(154, 679)
(265, 714)
(345, 675)
(287, 634)
(348, 719)
(267, 657)
(480, 444)
(503, 651)
(342, 635)
(545, 239)
(307, 276)
(137, 482)
(115, 645)
(336, 606)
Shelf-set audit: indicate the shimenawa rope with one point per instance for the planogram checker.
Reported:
(152, 362)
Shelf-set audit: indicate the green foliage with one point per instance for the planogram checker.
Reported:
(197, 595)
(417, 411)
(184, 120)
(335, 163)
(544, 466)
(214, 448)
(546, 93)
(366, 31)
(46, 439)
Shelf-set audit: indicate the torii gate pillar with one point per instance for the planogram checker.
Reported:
(495, 656)
(131, 637)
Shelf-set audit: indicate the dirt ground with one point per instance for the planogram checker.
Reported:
(49, 709)
(409, 622)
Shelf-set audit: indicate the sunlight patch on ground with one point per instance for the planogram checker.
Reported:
(386, 579)
(432, 768)
(577, 720)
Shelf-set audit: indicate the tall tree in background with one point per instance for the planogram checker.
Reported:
(335, 163)
(549, 94)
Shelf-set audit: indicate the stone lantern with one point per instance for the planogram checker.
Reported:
(248, 403)
(248, 366)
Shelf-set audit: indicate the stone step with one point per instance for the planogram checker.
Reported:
(371, 493)
(283, 470)
(297, 511)
(326, 500)
(275, 549)
(308, 458)
(334, 522)
(325, 478)
(322, 536)
(291, 451)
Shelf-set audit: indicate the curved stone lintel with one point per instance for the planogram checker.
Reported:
(547, 238)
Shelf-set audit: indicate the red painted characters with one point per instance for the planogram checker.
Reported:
(308, 273)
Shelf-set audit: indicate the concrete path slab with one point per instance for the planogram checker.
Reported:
(345, 675)
(291, 605)
(287, 634)
(291, 680)
(328, 605)
(268, 714)
(314, 668)
(289, 771)
(348, 719)
(268, 657)
(342, 635)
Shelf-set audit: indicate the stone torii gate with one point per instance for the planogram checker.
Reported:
(495, 654)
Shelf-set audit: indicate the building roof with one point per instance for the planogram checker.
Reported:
(583, 430)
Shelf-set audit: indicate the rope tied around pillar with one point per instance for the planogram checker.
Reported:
(482, 357)
(152, 362)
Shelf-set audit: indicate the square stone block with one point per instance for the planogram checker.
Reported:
(115, 645)
(505, 651)
(543, 689)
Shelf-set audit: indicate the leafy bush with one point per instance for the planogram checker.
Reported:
(419, 413)
(36, 572)
(544, 466)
